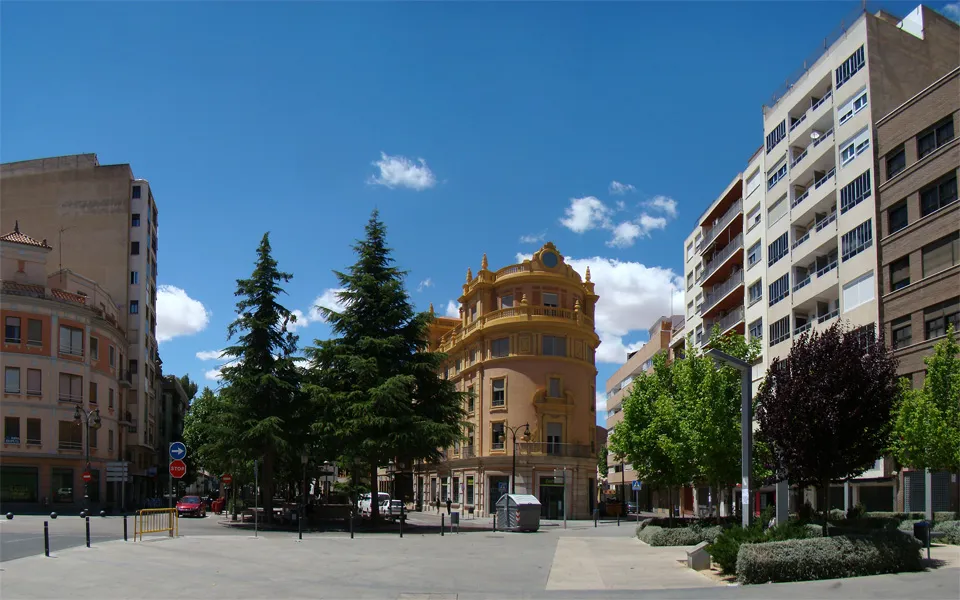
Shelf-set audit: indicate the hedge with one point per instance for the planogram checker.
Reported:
(725, 549)
(656, 535)
(951, 531)
(914, 516)
(828, 558)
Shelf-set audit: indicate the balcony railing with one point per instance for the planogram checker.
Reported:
(801, 329)
(522, 312)
(826, 221)
(825, 135)
(721, 223)
(132, 427)
(801, 283)
(800, 198)
(72, 398)
(34, 392)
(497, 445)
(727, 321)
(820, 102)
(466, 452)
(827, 269)
(824, 318)
(555, 449)
(71, 351)
(720, 291)
(802, 239)
(720, 257)
(825, 178)
(799, 157)
(70, 445)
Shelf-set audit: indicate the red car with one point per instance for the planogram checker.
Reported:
(191, 505)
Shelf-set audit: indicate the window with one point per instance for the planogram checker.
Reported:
(11, 380)
(900, 273)
(11, 330)
(497, 436)
(699, 334)
(110, 398)
(852, 106)
(553, 388)
(855, 146)
(776, 135)
(689, 250)
(136, 191)
(134, 248)
(110, 440)
(11, 430)
(941, 254)
(92, 436)
(554, 345)
(62, 481)
(690, 308)
(94, 348)
(780, 331)
(34, 436)
(936, 136)
(135, 220)
(936, 318)
(134, 307)
(499, 387)
(753, 255)
(689, 280)
(778, 249)
(698, 241)
(93, 392)
(857, 239)
(551, 300)
(858, 292)
(780, 289)
(134, 277)
(755, 291)
(756, 329)
(897, 217)
(753, 217)
(133, 366)
(112, 356)
(697, 272)
(753, 182)
(34, 382)
(500, 348)
(776, 211)
(865, 336)
(850, 66)
(776, 174)
(938, 195)
(855, 192)
(471, 400)
(901, 332)
(554, 438)
(699, 302)
(506, 301)
(896, 162)
(71, 388)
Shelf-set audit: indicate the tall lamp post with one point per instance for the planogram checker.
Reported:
(526, 438)
(746, 426)
(92, 421)
(304, 458)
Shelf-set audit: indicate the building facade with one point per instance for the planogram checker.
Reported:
(173, 408)
(73, 201)
(918, 228)
(64, 348)
(523, 352)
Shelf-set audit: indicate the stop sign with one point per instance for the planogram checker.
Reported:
(87, 477)
(178, 468)
(227, 479)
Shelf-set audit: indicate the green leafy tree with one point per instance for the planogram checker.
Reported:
(209, 428)
(189, 386)
(376, 385)
(926, 430)
(602, 466)
(261, 384)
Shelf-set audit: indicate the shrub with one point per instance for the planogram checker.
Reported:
(724, 549)
(836, 514)
(946, 515)
(656, 535)
(856, 511)
(863, 525)
(828, 558)
(893, 515)
(907, 525)
(951, 531)
(805, 513)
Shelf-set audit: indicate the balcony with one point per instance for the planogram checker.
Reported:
(721, 291)
(727, 321)
(710, 234)
(76, 351)
(719, 262)
(802, 328)
(70, 446)
(812, 112)
(821, 236)
(555, 449)
(817, 196)
(125, 378)
(820, 286)
(71, 398)
(515, 314)
(132, 426)
(813, 156)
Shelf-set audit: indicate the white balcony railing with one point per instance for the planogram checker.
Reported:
(721, 257)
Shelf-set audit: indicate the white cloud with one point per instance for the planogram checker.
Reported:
(627, 232)
(585, 214)
(601, 403)
(621, 205)
(400, 171)
(211, 355)
(667, 206)
(212, 374)
(951, 11)
(533, 239)
(328, 299)
(178, 314)
(618, 189)
(632, 297)
(426, 283)
(453, 309)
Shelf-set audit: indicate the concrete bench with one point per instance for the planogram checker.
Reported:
(698, 558)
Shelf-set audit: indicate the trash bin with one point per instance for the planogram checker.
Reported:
(518, 512)
(921, 531)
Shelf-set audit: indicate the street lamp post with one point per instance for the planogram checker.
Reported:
(92, 421)
(304, 457)
(746, 426)
(526, 437)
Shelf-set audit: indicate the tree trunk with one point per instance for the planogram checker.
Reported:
(374, 493)
(670, 502)
(266, 484)
(825, 507)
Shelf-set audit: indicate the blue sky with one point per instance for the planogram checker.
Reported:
(490, 123)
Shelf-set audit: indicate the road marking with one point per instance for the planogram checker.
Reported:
(573, 567)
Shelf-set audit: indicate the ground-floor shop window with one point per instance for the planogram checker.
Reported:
(62, 485)
(470, 490)
(19, 484)
(456, 490)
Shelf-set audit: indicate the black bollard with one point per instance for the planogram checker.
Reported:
(351, 524)
(596, 516)
(124, 527)
(88, 532)
(618, 518)
(441, 523)
(9, 516)
(53, 515)
(494, 521)
(401, 520)
(103, 513)
(46, 539)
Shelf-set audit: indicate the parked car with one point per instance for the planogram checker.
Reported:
(364, 504)
(191, 505)
(391, 509)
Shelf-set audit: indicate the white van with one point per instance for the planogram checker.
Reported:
(363, 505)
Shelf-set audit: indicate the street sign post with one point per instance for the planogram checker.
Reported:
(87, 477)
(637, 485)
(118, 472)
(178, 468)
(178, 450)
(226, 478)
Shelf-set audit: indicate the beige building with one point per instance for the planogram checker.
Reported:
(523, 351)
(64, 347)
(103, 224)
(918, 217)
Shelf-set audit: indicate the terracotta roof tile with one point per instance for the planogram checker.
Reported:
(69, 297)
(21, 238)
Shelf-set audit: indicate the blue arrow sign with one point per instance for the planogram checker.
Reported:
(637, 485)
(178, 450)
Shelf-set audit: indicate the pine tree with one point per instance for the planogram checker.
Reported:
(376, 385)
(262, 383)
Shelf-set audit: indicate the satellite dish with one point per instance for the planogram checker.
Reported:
(814, 135)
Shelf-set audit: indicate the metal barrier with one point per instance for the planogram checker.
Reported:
(156, 520)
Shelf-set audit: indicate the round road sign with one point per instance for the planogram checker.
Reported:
(178, 468)
(226, 478)
(87, 477)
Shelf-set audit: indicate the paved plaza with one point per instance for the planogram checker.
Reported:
(211, 561)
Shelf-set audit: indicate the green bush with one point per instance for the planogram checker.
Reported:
(907, 525)
(828, 558)
(945, 516)
(856, 511)
(656, 535)
(893, 515)
(951, 531)
(727, 545)
(863, 525)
